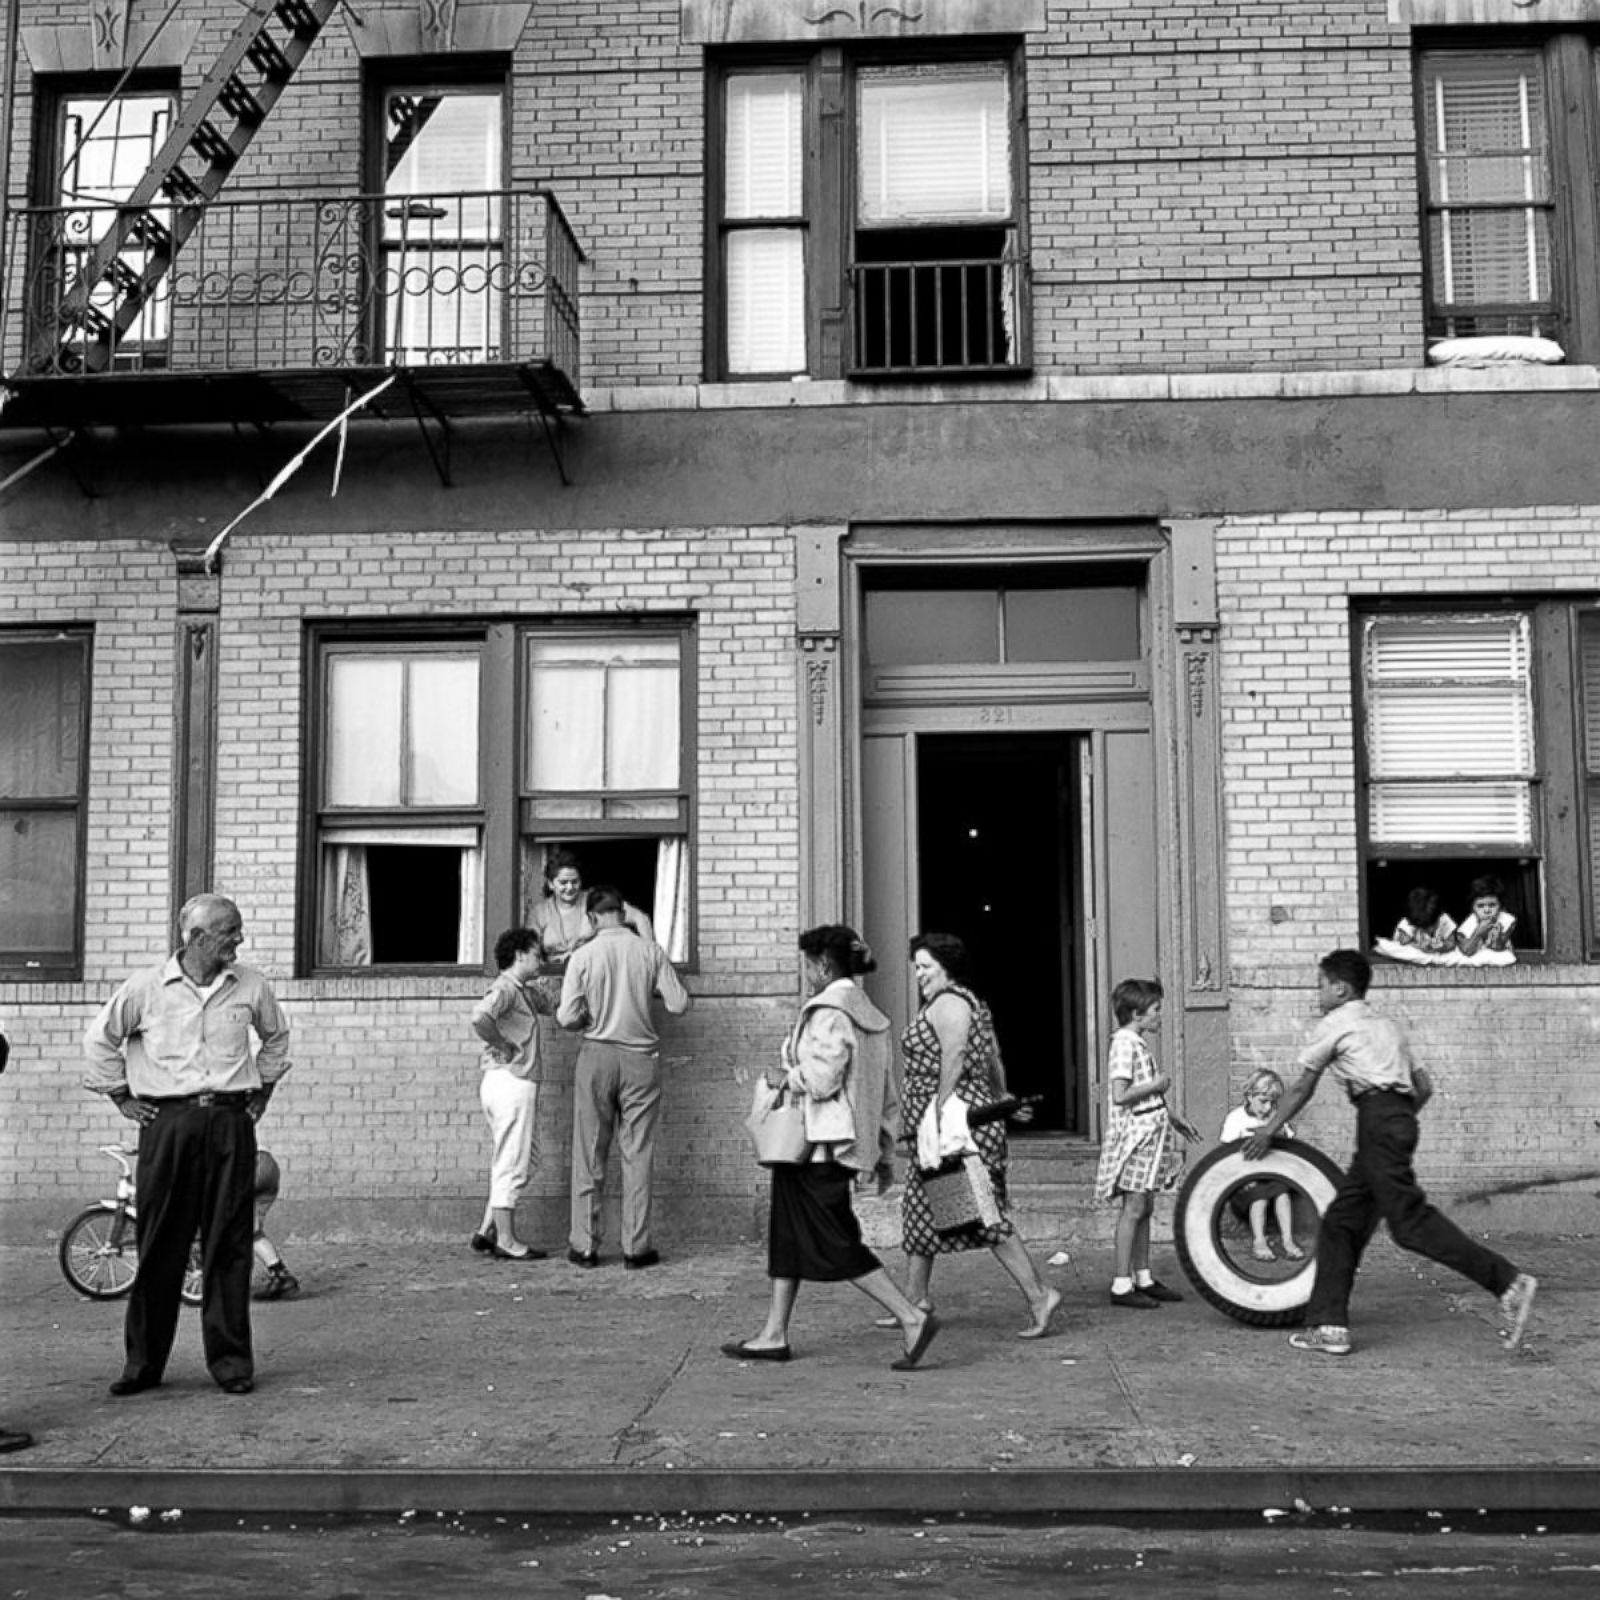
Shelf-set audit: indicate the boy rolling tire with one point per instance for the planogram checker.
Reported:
(1214, 1244)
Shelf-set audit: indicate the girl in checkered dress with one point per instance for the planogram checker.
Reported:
(1141, 1153)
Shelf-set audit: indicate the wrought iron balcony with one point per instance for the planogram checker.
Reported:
(939, 318)
(276, 306)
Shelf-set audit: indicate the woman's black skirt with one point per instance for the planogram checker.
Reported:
(813, 1232)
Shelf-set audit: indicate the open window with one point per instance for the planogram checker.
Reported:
(1480, 758)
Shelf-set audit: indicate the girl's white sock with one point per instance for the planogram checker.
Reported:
(1121, 1285)
(1140, 1279)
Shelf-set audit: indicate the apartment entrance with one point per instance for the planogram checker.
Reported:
(1008, 795)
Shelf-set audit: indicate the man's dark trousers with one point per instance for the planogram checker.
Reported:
(197, 1166)
(1381, 1187)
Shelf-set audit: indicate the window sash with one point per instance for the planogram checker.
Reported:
(1488, 180)
(933, 144)
(1449, 730)
(1589, 743)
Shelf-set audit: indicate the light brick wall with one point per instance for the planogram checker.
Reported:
(381, 1106)
(1514, 1049)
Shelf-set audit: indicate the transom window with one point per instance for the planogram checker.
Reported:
(438, 807)
(866, 218)
(1480, 757)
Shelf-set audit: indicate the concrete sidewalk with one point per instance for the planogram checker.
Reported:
(419, 1374)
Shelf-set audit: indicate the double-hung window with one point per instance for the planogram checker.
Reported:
(449, 767)
(1480, 758)
(1508, 127)
(44, 729)
(866, 217)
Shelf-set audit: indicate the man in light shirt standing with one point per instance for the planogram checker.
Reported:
(605, 993)
(172, 1049)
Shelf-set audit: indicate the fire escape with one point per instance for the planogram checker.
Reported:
(179, 306)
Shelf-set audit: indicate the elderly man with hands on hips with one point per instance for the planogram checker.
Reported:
(172, 1048)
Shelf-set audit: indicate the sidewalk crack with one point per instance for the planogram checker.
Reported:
(633, 1430)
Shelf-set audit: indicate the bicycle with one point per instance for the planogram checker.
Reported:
(99, 1251)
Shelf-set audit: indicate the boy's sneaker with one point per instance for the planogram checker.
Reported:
(1515, 1306)
(281, 1284)
(1328, 1339)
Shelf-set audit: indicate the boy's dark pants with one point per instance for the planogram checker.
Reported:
(1381, 1187)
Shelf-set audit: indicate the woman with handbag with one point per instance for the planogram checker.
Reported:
(837, 1061)
(950, 1054)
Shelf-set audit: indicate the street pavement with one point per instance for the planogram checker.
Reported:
(413, 1374)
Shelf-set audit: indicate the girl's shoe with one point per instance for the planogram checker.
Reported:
(483, 1242)
(1156, 1290)
(1293, 1251)
(281, 1284)
(1262, 1251)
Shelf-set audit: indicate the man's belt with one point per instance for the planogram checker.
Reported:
(211, 1097)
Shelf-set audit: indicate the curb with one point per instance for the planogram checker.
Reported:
(623, 1491)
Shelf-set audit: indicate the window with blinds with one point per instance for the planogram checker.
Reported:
(763, 222)
(1480, 758)
(1450, 757)
(1488, 193)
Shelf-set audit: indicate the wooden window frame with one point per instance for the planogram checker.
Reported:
(502, 813)
(64, 965)
(1559, 855)
(829, 198)
(1570, 63)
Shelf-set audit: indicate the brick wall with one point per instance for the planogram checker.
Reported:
(1514, 1049)
(381, 1107)
(1210, 185)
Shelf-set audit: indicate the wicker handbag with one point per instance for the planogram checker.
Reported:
(960, 1195)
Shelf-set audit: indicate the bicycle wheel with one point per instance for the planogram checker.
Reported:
(1213, 1241)
(191, 1277)
(98, 1254)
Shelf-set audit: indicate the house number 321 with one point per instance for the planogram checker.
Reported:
(997, 714)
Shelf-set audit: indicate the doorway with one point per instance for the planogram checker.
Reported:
(999, 864)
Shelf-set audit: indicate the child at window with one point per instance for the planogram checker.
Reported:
(1426, 934)
(1262, 1093)
(1485, 936)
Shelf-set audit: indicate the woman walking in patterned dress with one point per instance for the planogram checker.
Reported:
(950, 1049)
(1141, 1153)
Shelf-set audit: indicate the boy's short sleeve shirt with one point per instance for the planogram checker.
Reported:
(1364, 1050)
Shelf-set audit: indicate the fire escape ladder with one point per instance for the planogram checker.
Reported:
(128, 264)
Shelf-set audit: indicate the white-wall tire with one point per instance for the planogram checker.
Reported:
(1214, 1245)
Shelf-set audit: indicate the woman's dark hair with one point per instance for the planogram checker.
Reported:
(1487, 886)
(561, 861)
(1422, 907)
(947, 950)
(512, 943)
(1133, 996)
(842, 948)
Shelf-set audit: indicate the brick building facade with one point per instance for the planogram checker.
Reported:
(1043, 617)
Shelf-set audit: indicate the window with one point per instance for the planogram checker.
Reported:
(436, 812)
(866, 218)
(442, 274)
(93, 152)
(1481, 758)
(1510, 208)
(44, 726)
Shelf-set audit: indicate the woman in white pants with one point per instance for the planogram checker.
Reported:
(507, 1020)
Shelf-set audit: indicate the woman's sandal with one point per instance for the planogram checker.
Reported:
(905, 1363)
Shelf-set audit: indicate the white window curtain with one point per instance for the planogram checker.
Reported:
(345, 937)
(403, 730)
(934, 144)
(671, 911)
(764, 269)
(1449, 730)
